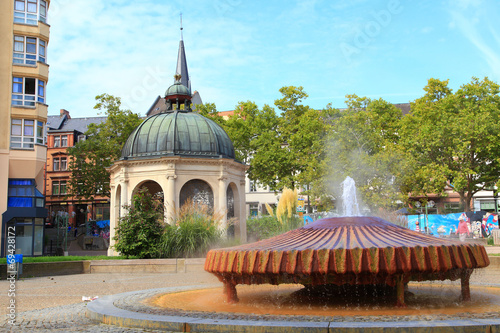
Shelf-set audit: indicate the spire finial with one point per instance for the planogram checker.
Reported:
(181, 26)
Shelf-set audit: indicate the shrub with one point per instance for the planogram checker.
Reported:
(139, 232)
(194, 232)
(268, 226)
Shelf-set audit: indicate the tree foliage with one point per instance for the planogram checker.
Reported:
(282, 149)
(448, 138)
(361, 145)
(104, 141)
(454, 138)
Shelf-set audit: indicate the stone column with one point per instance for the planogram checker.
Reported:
(223, 200)
(114, 218)
(242, 218)
(169, 198)
(124, 198)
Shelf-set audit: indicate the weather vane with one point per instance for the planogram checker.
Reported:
(181, 25)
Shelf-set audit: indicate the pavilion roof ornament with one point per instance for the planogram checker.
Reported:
(182, 63)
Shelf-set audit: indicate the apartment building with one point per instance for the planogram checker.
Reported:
(24, 74)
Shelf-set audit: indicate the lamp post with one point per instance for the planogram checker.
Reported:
(495, 196)
(66, 218)
(418, 205)
(427, 205)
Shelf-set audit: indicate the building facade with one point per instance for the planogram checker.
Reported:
(64, 132)
(24, 74)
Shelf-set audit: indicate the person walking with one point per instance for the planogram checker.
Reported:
(463, 228)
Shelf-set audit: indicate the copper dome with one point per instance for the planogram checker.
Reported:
(179, 133)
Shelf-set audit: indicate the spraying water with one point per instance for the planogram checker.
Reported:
(349, 199)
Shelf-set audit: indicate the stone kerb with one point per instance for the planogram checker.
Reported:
(41, 269)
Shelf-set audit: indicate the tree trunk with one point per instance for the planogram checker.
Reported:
(465, 201)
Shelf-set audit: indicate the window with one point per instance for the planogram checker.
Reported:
(102, 212)
(64, 164)
(23, 193)
(27, 50)
(30, 11)
(60, 164)
(60, 141)
(253, 186)
(64, 140)
(59, 187)
(41, 91)
(254, 209)
(22, 133)
(40, 133)
(56, 165)
(25, 92)
(487, 205)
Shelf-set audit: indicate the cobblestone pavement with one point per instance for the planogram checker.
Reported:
(54, 304)
(68, 318)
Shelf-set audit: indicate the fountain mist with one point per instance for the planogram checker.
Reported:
(349, 198)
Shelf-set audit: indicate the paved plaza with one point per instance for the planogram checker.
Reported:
(54, 304)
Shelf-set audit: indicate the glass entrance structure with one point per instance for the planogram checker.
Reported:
(24, 218)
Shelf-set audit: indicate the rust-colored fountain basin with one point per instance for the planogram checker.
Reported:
(347, 250)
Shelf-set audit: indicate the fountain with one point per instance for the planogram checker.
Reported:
(350, 250)
(354, 268)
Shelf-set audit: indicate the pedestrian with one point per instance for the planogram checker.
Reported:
(463, 228)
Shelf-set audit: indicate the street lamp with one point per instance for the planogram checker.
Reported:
(495, 196)
(418, 205)
(427, 205)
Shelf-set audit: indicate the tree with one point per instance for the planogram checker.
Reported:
(209, 110)
(90, 158)
(361, 145)
(292, 147)
(454, 138)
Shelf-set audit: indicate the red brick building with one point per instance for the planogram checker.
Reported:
(64, 132)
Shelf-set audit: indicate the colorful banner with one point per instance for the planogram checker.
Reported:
(446, 224)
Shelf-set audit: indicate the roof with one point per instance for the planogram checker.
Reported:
(177, 89)
(182, 68)
(66, 124)
(404, 107)
(178, 133)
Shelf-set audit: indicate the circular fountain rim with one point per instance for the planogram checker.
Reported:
(105, 310)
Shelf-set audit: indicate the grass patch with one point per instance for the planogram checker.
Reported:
(66, 258)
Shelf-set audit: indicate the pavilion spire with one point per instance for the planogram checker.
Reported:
(182, 69)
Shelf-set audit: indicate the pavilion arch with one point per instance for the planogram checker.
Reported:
(199, 191)
(152, 186)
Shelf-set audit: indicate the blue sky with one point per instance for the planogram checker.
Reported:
(246, 50)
